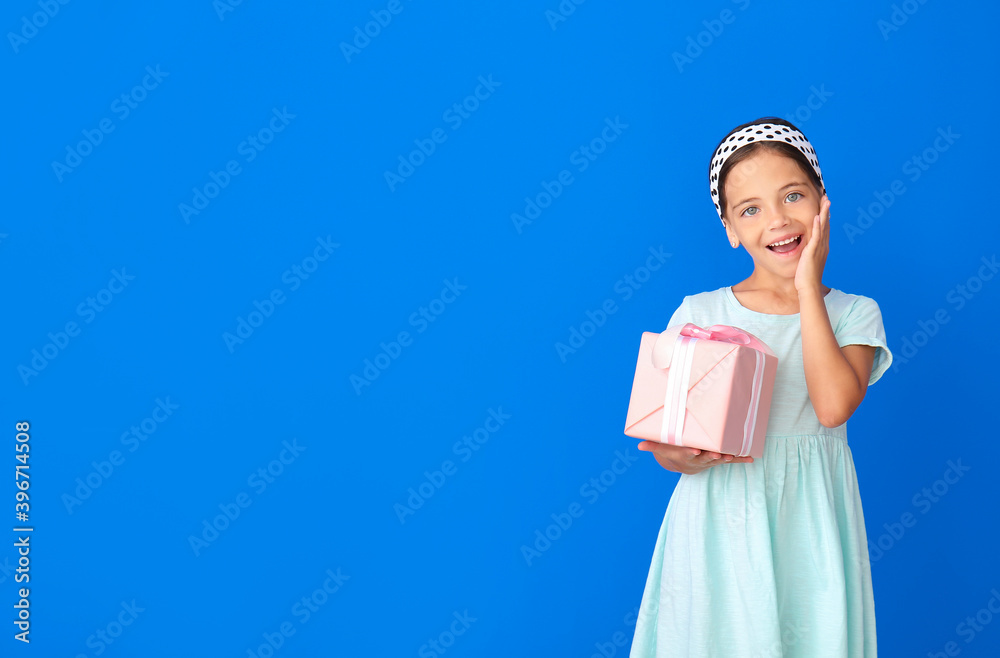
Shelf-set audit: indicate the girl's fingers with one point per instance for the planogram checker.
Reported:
(824, 225)
(699, 459)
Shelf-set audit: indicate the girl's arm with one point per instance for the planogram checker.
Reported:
(837, 378)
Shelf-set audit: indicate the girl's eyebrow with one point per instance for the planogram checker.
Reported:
(785, 187)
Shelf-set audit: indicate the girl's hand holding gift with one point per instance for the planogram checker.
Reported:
(681, 459)
(809, 271)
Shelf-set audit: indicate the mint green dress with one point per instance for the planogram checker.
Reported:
(769, 558)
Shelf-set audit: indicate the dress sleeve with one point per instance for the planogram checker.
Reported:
(862, 325)
(682, 315)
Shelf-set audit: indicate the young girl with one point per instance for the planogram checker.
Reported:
(769, 557)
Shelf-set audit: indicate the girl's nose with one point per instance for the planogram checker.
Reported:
(779, 217)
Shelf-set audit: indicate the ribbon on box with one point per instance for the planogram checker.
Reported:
(674, 349)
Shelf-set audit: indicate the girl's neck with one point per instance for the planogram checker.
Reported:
(766, 293)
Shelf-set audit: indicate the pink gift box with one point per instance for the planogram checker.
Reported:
(703, 388)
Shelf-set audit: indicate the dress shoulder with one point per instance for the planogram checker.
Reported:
(857, 320)
(694, 308)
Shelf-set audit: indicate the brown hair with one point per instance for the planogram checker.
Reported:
(749, 150)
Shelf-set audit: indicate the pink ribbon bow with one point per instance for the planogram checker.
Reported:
(718, 332)
(664, 346)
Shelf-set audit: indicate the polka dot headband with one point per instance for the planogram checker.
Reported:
(767, 132)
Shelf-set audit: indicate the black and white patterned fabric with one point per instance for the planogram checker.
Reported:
(774, 132)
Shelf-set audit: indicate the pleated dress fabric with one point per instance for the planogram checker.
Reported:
(769, 559)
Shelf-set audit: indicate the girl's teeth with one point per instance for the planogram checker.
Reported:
(785, 246)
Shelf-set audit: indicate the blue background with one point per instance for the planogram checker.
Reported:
(868, 96)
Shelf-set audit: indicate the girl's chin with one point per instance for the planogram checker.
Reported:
(784, 267)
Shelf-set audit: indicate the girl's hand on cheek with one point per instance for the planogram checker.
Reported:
(809, 271)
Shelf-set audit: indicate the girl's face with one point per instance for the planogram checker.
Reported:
(770, 206)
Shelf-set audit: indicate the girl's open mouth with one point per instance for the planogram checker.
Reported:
(786, 247)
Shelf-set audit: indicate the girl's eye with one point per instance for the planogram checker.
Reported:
(797, 195)
(747, 212)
